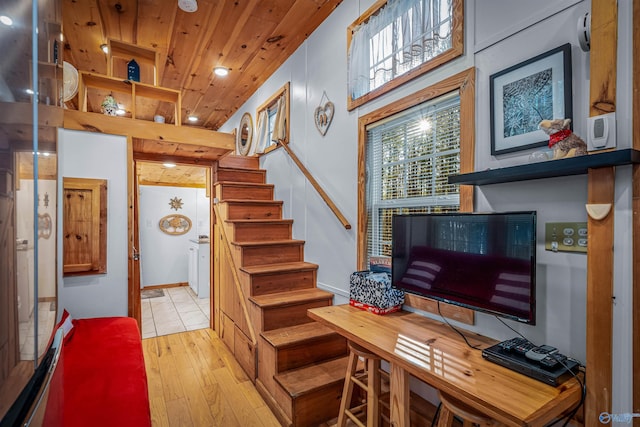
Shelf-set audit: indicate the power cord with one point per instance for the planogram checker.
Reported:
(436, 414)
(459, 333)
(509, 326)
(583, 385)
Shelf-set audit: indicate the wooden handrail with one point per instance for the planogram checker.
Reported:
(234, 272)
(319, 189)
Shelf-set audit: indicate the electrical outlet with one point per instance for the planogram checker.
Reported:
(566, 236)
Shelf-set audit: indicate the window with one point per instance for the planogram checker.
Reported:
(273, 121)
(398, 40)
(409, 158)
(408, 153)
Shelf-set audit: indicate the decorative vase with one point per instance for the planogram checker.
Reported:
(109, 106)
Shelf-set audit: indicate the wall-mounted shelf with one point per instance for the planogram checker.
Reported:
(549, 169)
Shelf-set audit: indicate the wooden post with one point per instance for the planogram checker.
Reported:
(601, 188)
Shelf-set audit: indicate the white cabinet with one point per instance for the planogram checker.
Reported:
(199, 268)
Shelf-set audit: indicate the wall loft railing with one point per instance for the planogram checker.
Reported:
(317, 186)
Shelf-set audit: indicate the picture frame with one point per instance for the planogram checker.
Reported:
(523, 95)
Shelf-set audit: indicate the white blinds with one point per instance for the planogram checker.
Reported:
(409, 158)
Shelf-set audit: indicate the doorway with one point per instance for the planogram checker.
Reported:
(174, 224)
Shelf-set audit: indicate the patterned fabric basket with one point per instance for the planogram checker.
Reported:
(373, 292)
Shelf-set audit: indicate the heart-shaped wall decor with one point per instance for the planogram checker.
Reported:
(323, 117)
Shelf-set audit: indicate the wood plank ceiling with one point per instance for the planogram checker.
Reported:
(252, 38)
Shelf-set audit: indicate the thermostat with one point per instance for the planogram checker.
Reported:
(601, 132)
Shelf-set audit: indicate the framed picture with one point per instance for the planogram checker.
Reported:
(527, 93)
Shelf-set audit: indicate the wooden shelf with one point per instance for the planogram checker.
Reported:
(549, 169)
(132, 89)
(120, 53)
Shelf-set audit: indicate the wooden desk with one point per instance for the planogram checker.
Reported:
(432, 352)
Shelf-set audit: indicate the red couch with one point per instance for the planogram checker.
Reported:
(100, 379)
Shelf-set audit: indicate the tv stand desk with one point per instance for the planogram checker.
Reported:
(432, 352)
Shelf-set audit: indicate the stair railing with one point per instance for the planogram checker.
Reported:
(316, 185)
(234, 271)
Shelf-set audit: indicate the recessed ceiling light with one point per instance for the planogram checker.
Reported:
(192, 118)
(188, 5)
(221, 71)
(104, 47)
(169, 165)
(6, 20)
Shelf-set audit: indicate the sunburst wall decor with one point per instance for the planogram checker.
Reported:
(175, 203)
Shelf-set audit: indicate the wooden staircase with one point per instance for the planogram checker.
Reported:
(297, 364)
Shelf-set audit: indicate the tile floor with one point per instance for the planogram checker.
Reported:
(178, 310)
(46, 322)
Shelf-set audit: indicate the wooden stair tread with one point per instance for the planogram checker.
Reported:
(259, 221)
(297, 334)
(279, 268)
(252, 202)
(243, 184)
(269, 243)
(298, 382)
(283, 299)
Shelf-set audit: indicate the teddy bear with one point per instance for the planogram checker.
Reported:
(562, 140)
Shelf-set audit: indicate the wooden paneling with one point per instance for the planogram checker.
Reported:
(601, 186)
(251, 38)
(8, 308)
(216, 142)
(84, 226)
(179, 176)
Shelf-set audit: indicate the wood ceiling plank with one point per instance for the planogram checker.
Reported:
(119, 18)
(233, 34)
(155, 27)
(84, 34)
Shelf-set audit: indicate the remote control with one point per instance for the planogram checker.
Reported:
(552, 360)
(539, 353)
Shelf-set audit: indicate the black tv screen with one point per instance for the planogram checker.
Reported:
(485, 262)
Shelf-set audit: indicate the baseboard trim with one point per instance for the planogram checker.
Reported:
(168, 285)
(273, 405)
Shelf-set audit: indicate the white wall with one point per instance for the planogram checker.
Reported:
(163, 256)
(99, 156)
(498, 34)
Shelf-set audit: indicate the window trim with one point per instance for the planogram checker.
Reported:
(465, 83)
(456, 50)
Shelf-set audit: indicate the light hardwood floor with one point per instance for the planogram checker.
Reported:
(195, 381)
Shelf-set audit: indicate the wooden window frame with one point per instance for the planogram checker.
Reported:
(456, 50)
(98, 264)
(285, 91)
(464, 82)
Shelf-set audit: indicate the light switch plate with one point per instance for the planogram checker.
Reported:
(565, 236)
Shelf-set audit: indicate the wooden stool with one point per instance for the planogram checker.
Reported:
(452, 406)
(371, 375)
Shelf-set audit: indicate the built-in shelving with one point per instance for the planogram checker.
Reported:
(133, 90)
(553, 168)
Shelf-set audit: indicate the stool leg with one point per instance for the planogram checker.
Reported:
(347, 390)
(373, 393)
(446, 417)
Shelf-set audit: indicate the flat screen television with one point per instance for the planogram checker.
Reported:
(482, 261)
